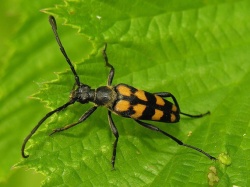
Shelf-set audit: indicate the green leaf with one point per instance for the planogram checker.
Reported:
(196, 50)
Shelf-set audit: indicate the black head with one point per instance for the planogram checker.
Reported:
(82, 94)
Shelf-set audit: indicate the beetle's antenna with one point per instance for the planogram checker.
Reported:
(54, 28)
(41, 122)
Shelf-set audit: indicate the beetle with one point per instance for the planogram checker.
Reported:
(123, 100)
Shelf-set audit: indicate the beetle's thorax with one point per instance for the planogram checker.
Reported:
(102, 96)
(105, 96)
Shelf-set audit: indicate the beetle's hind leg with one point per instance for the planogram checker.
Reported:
(167, 94)
(197, 115)
(154, 128)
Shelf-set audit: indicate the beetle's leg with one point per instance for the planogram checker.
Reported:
(154, 128)
(82, 118)
(116, 134)
(112, 70)
(195, 116)
(167, 94)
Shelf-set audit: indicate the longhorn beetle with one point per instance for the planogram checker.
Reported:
(121, 99)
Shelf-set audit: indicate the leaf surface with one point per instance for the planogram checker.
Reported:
(196, 50)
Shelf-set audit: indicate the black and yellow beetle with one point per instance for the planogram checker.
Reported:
(123, 100)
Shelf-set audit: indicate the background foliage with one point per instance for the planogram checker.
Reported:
(197, 50)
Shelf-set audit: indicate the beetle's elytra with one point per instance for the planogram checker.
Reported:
(123, 100)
